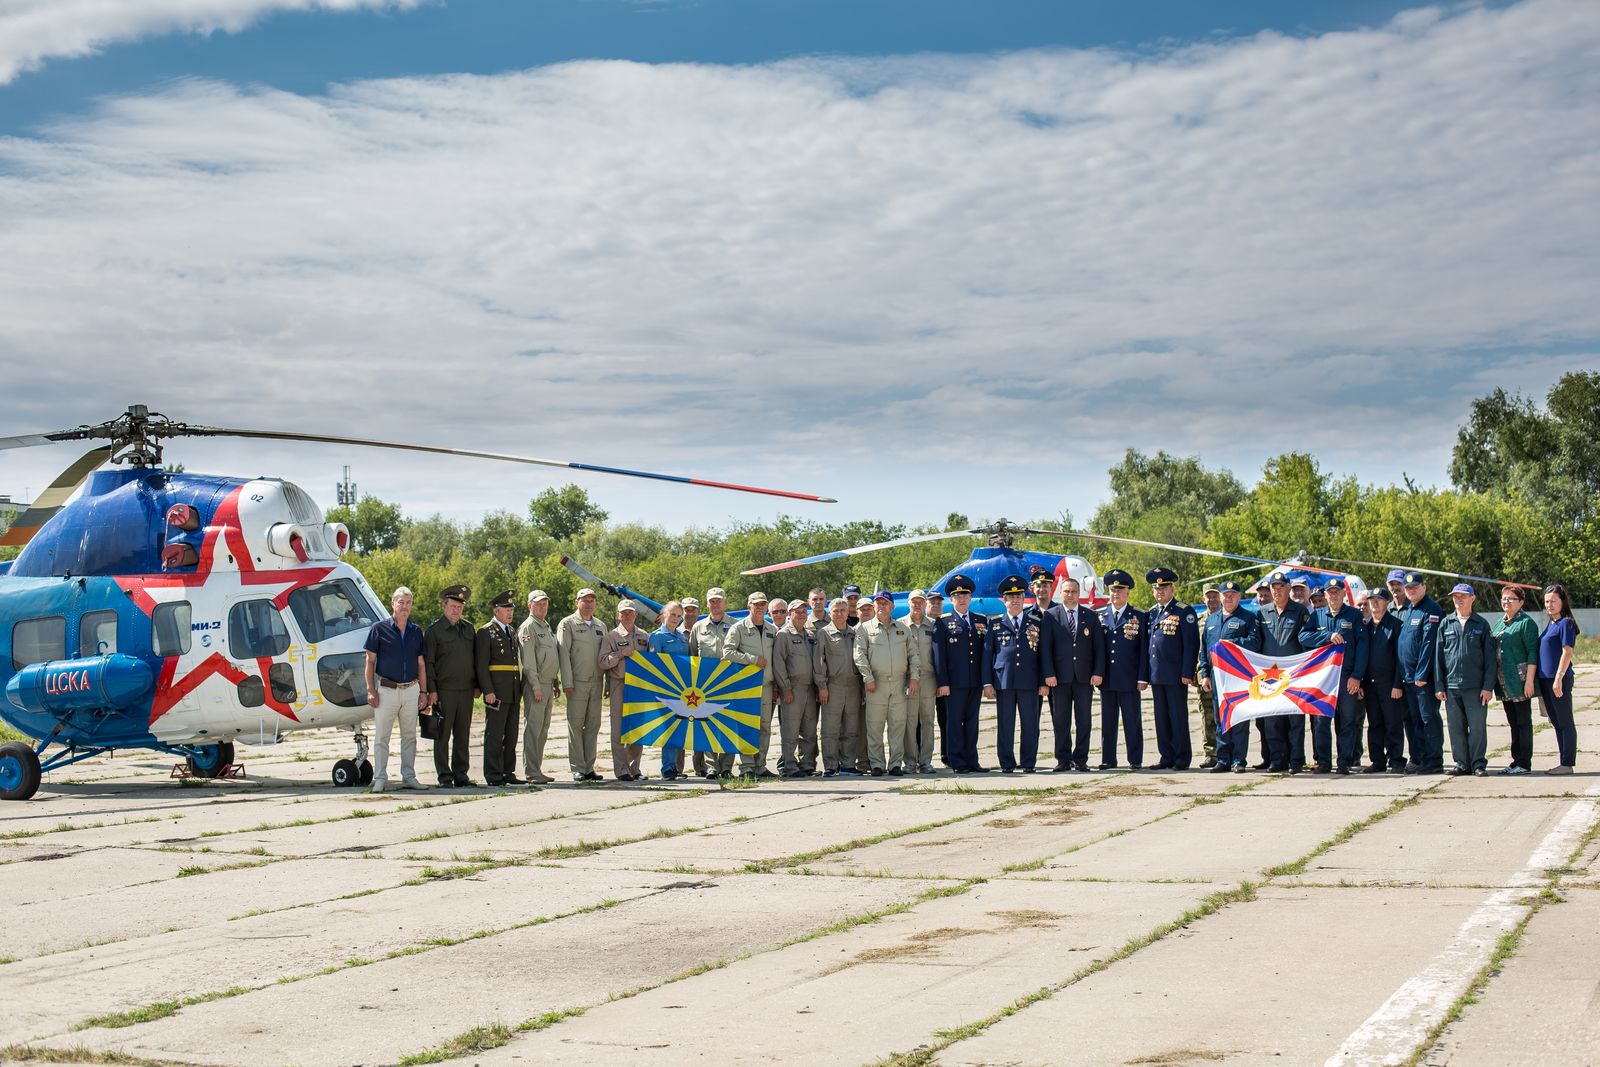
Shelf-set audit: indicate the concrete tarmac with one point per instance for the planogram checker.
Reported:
(1118, 918)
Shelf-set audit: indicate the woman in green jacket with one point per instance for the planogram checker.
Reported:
(1518, 636)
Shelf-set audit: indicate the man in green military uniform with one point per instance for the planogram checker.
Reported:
(452, 677)
(500, 678)
(541, 677)
(922, 708)
(833, 667)
(578, 640)
(1208, 707)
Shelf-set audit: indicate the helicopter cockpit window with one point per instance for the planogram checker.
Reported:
(172, 628)
(38, 641)
(329, 609)
(256, 630)
(97, 633)
(343, 679)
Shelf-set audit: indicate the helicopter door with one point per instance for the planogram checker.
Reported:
(256, 632)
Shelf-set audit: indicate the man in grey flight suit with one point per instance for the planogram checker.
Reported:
(706, 640)
(797, 695)
(578, 640)
(921, 709)
(541, 677)
(751, 640)
(890, 666)
(833, 666)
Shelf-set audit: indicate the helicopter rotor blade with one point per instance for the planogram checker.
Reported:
(334, 439)
(1152, 544)
(859, 549)
(55, 495)
(648, 610)
(1224, 574)
(28, 440)
(1386, 567)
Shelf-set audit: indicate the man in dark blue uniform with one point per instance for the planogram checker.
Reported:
(1078, 661)
(1282, 619)
(958, 663)
(1419, 628)
(1337, 623)
(1230, 623)
(1127, 673)
(1386, 704)
(1014, 661)
(1173, 646)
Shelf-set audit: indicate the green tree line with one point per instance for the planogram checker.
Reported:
(1522, 505)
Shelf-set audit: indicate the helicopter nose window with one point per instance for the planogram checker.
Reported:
(256, 630)
(329, 609)
(343, 679)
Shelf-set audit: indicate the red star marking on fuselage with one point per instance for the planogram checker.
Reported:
(149, 590)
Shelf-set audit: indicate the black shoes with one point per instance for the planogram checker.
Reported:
(1219, 768)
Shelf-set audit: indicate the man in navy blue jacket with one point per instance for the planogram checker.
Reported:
(958, 665)
(1386, 706)
(1015, 657)
(1339, 624)
(1282, 619)
(1078, 661)
(1127, 673)
(1242, 628)
(1419, 629)
(1173, 645)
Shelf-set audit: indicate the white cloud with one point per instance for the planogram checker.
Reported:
(720, 270)
(35, 31)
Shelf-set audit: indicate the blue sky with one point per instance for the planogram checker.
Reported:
(922, 257)
(303, 51)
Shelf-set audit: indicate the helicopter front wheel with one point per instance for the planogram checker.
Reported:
(346, 773)
(19, 771)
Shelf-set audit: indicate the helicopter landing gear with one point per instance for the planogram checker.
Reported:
(358, 771)
(210, 761)
(19, 771)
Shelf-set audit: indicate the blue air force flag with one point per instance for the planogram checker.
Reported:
(707, 705)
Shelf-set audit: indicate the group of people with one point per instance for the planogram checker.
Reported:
(856, 691)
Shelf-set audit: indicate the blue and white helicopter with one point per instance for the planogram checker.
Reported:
(183, 612)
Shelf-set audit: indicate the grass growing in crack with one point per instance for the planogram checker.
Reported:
(801, 858)
(76, 1055)
(1299, 866)
(1505, 947)
(149, 1013)
(478, 1039)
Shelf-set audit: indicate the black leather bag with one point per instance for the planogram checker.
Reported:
(430, 725)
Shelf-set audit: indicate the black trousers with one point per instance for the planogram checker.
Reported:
(1128, 705)
(1386, 727)
(500, 729)
(452, 756)
(1519, 716)
(961, 728)
(1010, 705)
(1070, 707)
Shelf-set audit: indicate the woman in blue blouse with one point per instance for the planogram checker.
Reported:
(1555, 675)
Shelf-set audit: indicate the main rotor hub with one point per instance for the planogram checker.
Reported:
(1001, 534)
(136, 435)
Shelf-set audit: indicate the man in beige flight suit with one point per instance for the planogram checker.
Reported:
(578, 639)
(817, 599)
(886, 655)
(921, 708)
(833, 666)
(797, 694)
(706, 639)
(751, 640)
(618, 645)
(541, 677)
